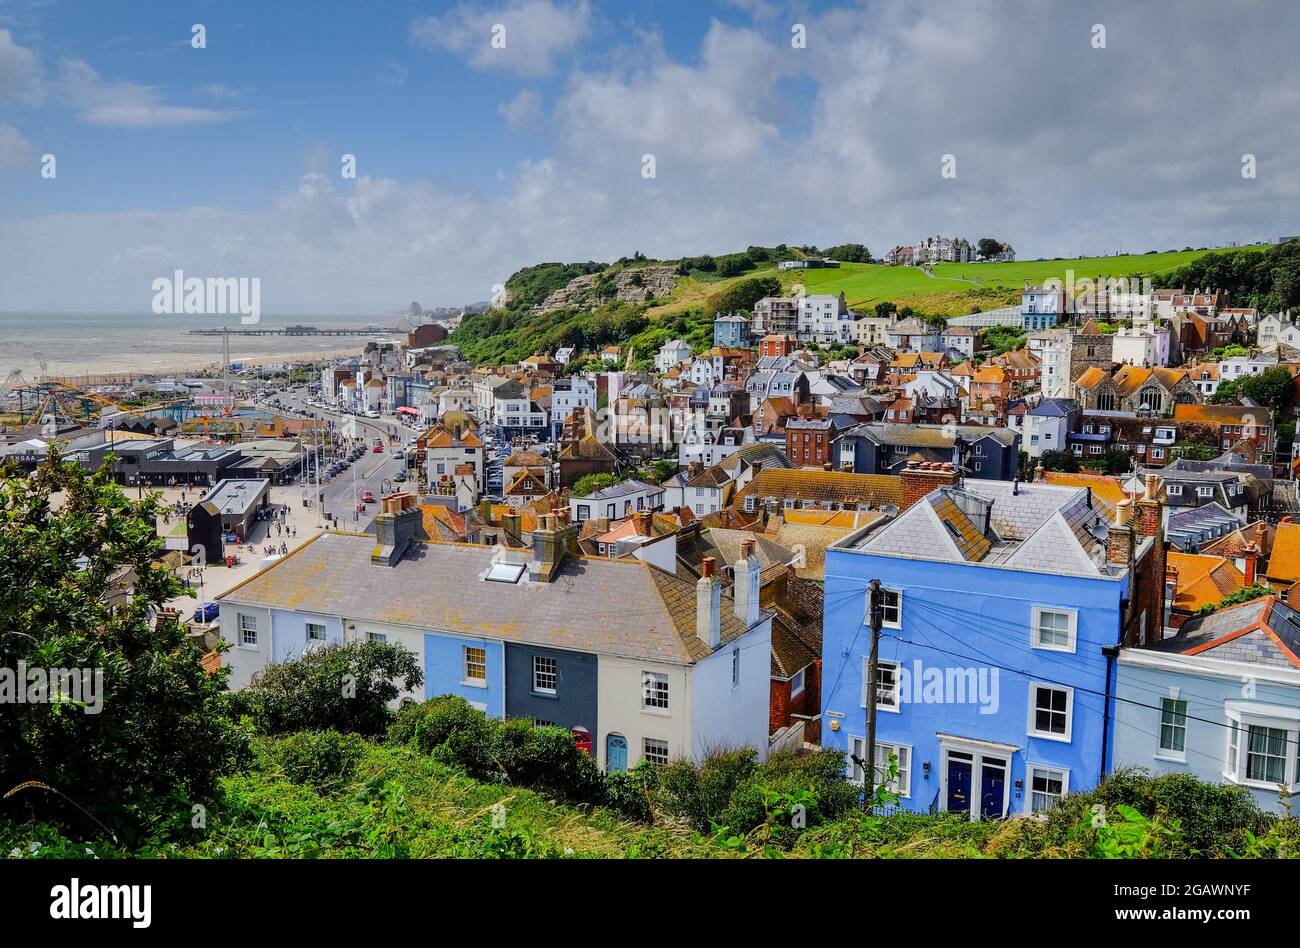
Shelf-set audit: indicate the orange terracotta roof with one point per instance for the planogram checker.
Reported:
(1203, 580)
(1090, 377)
(1284, 561)
(1103, 486)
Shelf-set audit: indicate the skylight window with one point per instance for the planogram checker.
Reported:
(505, 572)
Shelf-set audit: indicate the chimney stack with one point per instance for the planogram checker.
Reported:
(398, 524)
(708, 604)
(745, 591)
(1251, 555)
(1150, 510)
(920, 478)
(552, 541)
(1119, 540)
(645, 523)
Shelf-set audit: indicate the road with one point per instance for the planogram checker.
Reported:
(372, 472)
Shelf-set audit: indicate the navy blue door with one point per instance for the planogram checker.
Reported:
(958, 786)
(615, 753)
(993, 783)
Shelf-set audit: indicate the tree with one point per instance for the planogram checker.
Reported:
(741, 296)
(988, 247)
(588, 485)
(345, 687)
(886, 308)
(849, 253)
(80, 589)
(1064, 461)
(1115, 461)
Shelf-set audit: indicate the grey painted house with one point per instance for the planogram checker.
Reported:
(551, 686)
(880, 448)
(1230, 713)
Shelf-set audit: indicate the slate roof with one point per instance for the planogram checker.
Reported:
(1038, 527)
(622, 607)
(1263, 632)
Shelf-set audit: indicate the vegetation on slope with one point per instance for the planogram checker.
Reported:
(709, 284)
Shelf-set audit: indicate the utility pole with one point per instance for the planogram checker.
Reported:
(877, 617)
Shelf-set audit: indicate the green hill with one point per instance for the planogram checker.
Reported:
(611, 312)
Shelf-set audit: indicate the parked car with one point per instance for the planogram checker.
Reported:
(207, 612)
(367, 497)
(399, 476)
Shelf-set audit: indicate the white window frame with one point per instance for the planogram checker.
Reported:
(650, 687)
(381, 637)
(247, 624)
(857, 745)
(1241, 717)
(1030, 770)
(797, 683)
(1072, 630)
(897, 608)
(540, 675)
(308, 627)
(1032, 729)
(465, 663)
(892, 704)
(1169, 753)
(645, 750)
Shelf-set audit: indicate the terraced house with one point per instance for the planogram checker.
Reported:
(638, 663)
(1004, 607)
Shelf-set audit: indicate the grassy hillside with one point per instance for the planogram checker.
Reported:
(951, 289)
(395, 801)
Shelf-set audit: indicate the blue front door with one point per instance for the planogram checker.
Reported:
(993, 785)
(959, 772)
(615, 753)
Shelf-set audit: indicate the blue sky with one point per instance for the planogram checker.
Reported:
(474, 161)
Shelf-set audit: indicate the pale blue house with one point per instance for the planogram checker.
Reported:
(731, 330)
(1220, 700)
(1005, 604)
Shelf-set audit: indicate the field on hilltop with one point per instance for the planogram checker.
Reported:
(865, 284)
(590, 305)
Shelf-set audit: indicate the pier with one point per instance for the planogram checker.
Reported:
(302, 331)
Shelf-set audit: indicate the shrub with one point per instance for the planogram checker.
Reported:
(547, 758)
(340, 687)
(697, 795)
(324, 760)
(630, 791)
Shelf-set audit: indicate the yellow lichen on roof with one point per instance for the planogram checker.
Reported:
(1284, 562)
(1104, 487)
(1203, 580)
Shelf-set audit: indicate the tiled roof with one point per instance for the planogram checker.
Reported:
(625, 607)
(1090, 377)
(1284, 560)
(825, 487)
(1222, 414)
(1037, 527)
(1107, 488)
(1262, 631)
(1203, 580)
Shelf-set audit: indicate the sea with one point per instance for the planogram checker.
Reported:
(63, 345)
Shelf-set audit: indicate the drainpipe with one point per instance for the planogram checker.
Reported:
(1111, 652)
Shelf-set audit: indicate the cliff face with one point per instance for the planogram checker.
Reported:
(633, 285)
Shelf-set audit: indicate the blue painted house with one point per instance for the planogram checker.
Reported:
(636, 661)
(731, 330)
(1004, 607)
(1219, 700)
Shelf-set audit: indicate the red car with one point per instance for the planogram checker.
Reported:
(367, 497)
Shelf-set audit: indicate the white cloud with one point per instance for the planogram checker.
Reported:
(523, 110)
(536, 33)
(20, 73)
(128, 104)
(14, 149)
(217, 90)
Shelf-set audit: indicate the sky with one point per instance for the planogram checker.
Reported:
(489, 136)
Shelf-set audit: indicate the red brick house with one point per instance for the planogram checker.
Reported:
(796, 650)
